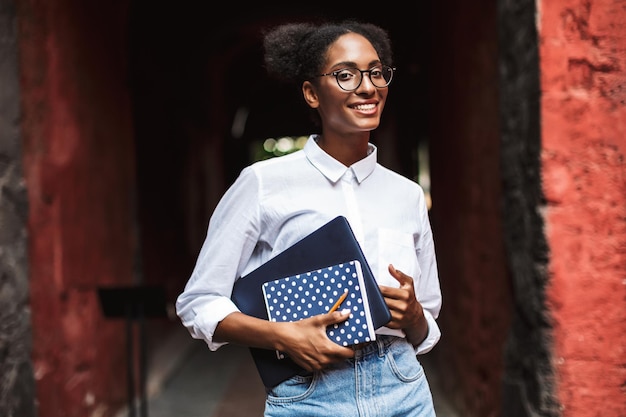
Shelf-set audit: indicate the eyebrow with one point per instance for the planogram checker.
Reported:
(351, 64)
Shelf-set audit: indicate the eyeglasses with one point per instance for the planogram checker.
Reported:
(349, 79)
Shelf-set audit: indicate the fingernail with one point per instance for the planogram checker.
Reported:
(345, 311)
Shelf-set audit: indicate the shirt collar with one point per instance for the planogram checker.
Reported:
(333, 169)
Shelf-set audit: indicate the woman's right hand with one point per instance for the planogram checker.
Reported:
(307, 344)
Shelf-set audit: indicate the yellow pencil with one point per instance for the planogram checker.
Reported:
(339, 301)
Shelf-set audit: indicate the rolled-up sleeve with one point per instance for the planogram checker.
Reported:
(434, 334)
(231, 238)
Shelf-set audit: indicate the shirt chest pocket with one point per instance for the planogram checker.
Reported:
(396, 248)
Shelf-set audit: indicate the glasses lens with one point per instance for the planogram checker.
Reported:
(349, 78)
(381, 76)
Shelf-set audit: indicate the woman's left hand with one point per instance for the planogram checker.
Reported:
(406, 312)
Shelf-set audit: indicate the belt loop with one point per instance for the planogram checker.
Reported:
(381, 345)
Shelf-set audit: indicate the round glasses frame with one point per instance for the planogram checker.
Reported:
(378, 80)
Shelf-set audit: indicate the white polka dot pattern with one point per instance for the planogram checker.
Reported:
(306, 295)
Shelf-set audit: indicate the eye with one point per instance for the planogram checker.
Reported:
(376, 72)
(345, 75)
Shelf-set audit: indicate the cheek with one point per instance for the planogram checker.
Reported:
(331, 116)
(330, 105)
(382, 94)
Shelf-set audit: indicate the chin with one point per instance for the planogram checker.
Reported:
(368, 127)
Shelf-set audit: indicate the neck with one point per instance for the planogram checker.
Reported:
(347, 149)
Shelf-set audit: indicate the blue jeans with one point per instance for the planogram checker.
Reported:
(384, 379)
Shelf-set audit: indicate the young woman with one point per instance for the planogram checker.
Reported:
(344, 70)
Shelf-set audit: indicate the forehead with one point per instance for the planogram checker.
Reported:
(351, 48)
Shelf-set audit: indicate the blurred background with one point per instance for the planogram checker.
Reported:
(123, 122)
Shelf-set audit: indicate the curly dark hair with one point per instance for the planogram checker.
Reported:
(296, 52)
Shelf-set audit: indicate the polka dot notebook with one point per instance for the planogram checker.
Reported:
(305, 295)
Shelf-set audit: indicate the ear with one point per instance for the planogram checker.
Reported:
(310, 95)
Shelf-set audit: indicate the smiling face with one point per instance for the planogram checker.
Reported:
(347, 112)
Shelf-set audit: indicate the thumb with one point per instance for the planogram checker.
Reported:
(400, 276)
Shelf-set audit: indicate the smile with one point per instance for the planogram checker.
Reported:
(364, 107)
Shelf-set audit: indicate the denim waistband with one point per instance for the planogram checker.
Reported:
(378, 346)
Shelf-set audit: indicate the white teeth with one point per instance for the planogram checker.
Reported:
(365, 106)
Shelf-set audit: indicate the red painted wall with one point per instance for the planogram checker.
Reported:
(79, 169)
(583, 82)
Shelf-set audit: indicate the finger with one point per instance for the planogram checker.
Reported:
(336, 316)
(400, 276)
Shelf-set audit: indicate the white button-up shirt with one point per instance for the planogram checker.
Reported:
(276, 202)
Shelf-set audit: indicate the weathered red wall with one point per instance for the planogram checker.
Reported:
(583, 82)
(79, 169)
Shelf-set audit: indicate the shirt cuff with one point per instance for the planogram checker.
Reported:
(434, 334)
(208, 318)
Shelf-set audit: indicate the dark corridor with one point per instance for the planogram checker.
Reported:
(193, 74)
(190, 82)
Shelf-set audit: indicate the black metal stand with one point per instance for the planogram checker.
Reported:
(134, 304)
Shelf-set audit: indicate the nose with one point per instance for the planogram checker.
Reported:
(366, 85)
